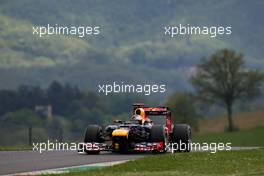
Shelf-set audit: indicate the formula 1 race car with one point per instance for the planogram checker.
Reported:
(137, 134)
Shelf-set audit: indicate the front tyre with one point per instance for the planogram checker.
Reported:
(181, 135)
(93, 134)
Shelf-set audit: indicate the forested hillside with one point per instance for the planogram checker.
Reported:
(131, 46)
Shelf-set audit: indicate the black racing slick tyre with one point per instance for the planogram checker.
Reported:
(93, 134)
(181, 135)
(157, 133)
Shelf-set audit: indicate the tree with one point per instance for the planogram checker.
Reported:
(223, 78)
(23, 117)
(183, 108)
(56, 97)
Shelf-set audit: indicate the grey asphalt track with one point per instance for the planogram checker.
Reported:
(12, 162)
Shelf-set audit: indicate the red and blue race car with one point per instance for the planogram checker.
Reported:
(138, 134)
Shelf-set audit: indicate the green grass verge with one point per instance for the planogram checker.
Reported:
(252, 137)
(248, 162)
(15, 148)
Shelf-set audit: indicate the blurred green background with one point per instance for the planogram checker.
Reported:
(64, 71)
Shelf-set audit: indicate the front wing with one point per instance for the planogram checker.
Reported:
(140, 147)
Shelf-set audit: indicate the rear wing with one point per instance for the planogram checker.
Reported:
(155, 111)
(152, 110)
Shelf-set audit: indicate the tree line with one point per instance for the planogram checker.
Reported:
(220, 79)
(70, 105)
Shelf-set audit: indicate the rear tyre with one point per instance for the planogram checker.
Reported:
(93, 133)
(157, 134)
(182, 136)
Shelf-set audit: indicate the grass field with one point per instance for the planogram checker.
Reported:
(249, 162)
(14, 148)
(242, 121)
(249, 137)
